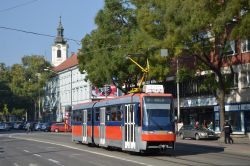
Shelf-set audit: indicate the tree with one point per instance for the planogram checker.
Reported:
(5, 112)
(5, 91)
(118, 35)
(27, 82)
(202, 29)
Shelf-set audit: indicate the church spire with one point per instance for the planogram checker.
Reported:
(59, 38)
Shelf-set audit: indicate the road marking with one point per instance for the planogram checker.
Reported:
(38, 155)
(55, 162)
(15, 164)
(95, 163)
(26, 151)
(92, 152)
(31, 164)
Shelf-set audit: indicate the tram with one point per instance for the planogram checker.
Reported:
(135, 122)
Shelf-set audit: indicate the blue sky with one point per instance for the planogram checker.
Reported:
(42, 16)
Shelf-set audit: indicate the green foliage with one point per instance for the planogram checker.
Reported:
(5, 110)
(118, 35)
(5, 92)
(18, 112)
(22, 84)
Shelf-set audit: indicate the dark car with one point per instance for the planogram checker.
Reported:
(4, 126)
(189, 131)
(46, 126)
(18, 125)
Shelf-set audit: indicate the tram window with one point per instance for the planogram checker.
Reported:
(113, 116)
(139, 115)
(108, 114)
(89, 116)
(97, 115)
(119, 115)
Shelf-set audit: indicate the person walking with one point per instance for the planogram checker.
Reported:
(227, 131)
(210, 126)
(28, 127)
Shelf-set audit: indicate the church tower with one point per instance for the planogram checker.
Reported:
(60, 47)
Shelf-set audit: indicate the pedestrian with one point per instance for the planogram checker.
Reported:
(204, 125)
(210, 126)
(28, 127)
(196, 125)
(228, 131)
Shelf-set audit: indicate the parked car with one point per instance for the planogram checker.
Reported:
(38, 126)
(4, 126)
(11, 124)
(189, 131)
(60, 127)
(46, 126)
(18, 125)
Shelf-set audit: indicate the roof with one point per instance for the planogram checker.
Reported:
(68, 63)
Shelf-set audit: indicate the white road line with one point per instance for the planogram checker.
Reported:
(15, 164)
(38, 155)
(95, 163)
(55, 162)
(26, 151)
(97, 153)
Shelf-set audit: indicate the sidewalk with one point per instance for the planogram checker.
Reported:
(241, 144)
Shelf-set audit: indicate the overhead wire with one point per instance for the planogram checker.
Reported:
(35, 33)
(19, 5)
(69, 39)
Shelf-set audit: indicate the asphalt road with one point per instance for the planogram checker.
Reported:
(38, 149)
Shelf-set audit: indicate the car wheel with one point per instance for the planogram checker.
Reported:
(182, 136)
(56, 130)
(197, 137)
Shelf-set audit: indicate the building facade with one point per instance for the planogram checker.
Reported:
(202, 106)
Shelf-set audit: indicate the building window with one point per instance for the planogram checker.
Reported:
(234, 119)
(59, 54)
(245, 46)
(245, 77)
(230, 48)
(230, 77)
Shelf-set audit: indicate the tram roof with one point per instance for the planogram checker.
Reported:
(130, 98)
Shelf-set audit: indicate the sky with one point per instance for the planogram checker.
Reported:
(42, 17)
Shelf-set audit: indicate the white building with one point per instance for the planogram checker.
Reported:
(68, 86)
(72, 87)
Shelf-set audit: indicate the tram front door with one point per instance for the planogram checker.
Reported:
(129, 127)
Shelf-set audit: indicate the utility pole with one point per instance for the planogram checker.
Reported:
(178, 90)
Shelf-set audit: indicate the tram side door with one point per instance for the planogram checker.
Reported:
(84, 127)
(129, 125)
(102, 126)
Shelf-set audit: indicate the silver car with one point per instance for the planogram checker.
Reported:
(189, 131)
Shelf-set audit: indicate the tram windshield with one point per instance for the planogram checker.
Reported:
(156, 112)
